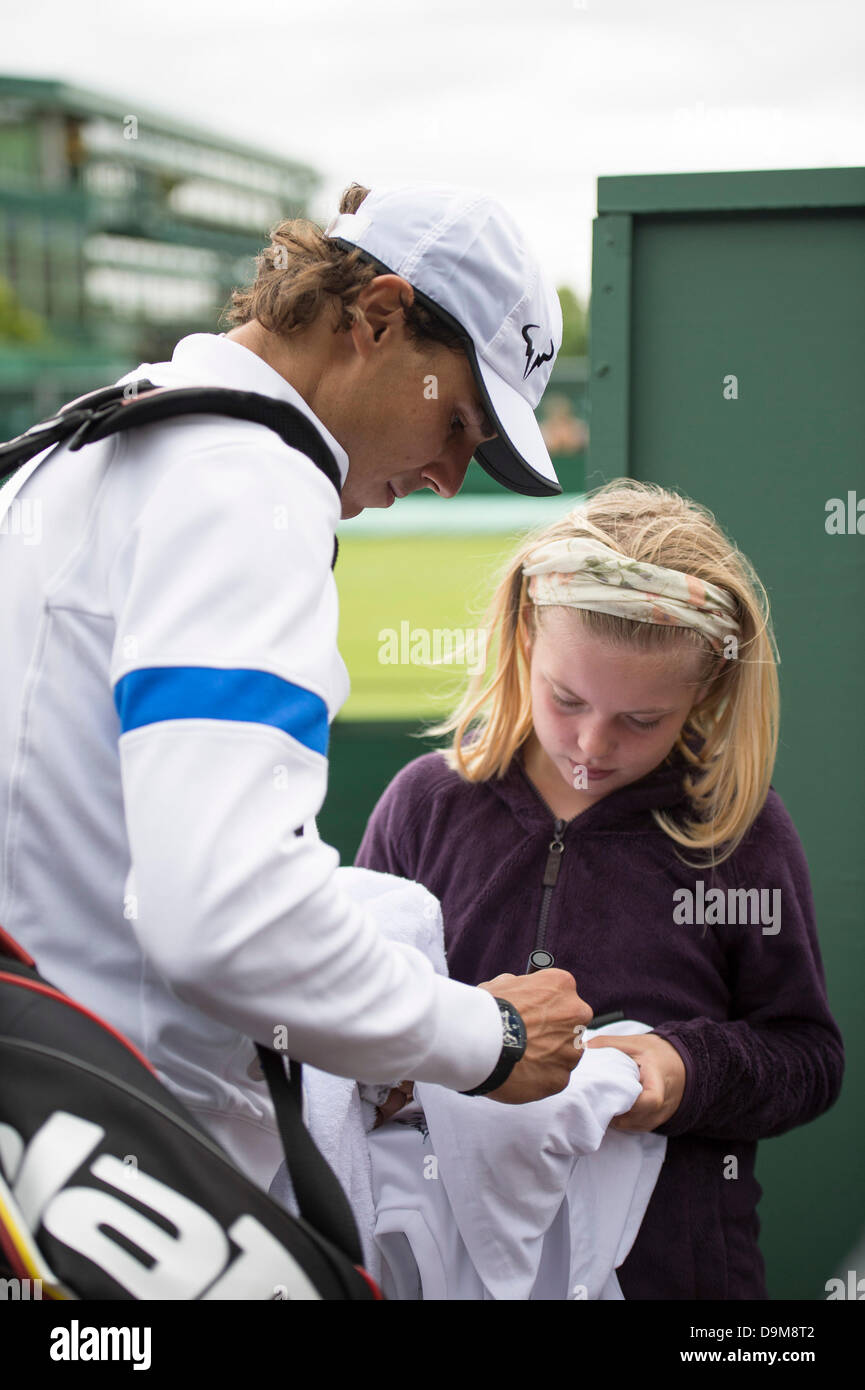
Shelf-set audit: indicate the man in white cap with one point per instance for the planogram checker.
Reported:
(171, 671)
(461, 257)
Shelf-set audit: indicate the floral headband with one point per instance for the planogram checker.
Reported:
(581, 572)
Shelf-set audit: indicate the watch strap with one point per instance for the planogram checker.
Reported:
(513, 1047)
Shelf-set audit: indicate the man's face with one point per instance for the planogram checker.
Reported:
(408, 415)
(415, 421)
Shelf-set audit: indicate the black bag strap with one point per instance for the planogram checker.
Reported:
(115, 408)
(320, 1197)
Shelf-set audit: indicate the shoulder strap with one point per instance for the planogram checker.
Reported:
(114, 408)
(320, 1198)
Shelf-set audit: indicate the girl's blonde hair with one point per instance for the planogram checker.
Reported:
(736, 723)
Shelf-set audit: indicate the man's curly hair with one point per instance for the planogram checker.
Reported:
(302, 272)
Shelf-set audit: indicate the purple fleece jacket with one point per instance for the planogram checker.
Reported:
(745, 1008)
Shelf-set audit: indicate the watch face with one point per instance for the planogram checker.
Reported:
(512, 1034)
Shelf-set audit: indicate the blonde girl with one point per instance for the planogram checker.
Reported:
(605, 806)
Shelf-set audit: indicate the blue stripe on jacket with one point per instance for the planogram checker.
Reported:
(153, 693)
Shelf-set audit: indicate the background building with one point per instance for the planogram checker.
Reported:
(120, 231)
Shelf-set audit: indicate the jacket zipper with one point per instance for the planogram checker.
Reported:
(551, 873)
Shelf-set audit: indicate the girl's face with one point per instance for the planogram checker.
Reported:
(612, 710)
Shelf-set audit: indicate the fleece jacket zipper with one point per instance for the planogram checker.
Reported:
(551, 873)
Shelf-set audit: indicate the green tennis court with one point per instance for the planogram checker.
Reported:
(414, 581)
(398, 599)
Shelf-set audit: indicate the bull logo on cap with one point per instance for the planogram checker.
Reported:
(539, 357)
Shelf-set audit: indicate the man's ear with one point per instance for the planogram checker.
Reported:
(382, 304)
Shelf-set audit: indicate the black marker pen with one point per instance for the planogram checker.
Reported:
(540, 960)
(603, 1019)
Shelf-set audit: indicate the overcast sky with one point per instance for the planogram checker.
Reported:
(531, 101)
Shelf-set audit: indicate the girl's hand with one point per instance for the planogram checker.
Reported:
(399, 1096)
(662, 1076)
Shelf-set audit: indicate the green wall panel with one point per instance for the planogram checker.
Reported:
(694, 282)
(363, 757)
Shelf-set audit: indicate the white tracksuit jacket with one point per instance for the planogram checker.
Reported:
(168, 630)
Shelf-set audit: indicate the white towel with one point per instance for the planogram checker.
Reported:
(546, 1199)
(337, 1116)
(536, 1201)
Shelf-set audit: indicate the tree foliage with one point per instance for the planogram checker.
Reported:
(17, 324)
(575, 327)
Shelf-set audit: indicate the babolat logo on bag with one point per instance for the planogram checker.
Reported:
(110, 1189)
(185, 1253)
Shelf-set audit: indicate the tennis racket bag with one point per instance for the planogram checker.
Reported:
(110, 1189)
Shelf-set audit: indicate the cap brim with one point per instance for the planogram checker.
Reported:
(518, 458)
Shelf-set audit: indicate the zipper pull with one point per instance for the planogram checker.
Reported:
(554, 857)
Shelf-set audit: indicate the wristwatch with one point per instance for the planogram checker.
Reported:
(513, 1046)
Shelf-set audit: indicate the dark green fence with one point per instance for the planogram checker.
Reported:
(727, 361)
(364, 756)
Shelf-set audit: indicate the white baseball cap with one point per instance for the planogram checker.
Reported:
(469, 263)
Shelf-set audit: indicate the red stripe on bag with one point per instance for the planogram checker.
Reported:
(64, 999)
(10, 947)
(376, 1291)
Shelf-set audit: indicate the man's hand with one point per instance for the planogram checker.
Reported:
(662, 1076)
(552, 1011)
